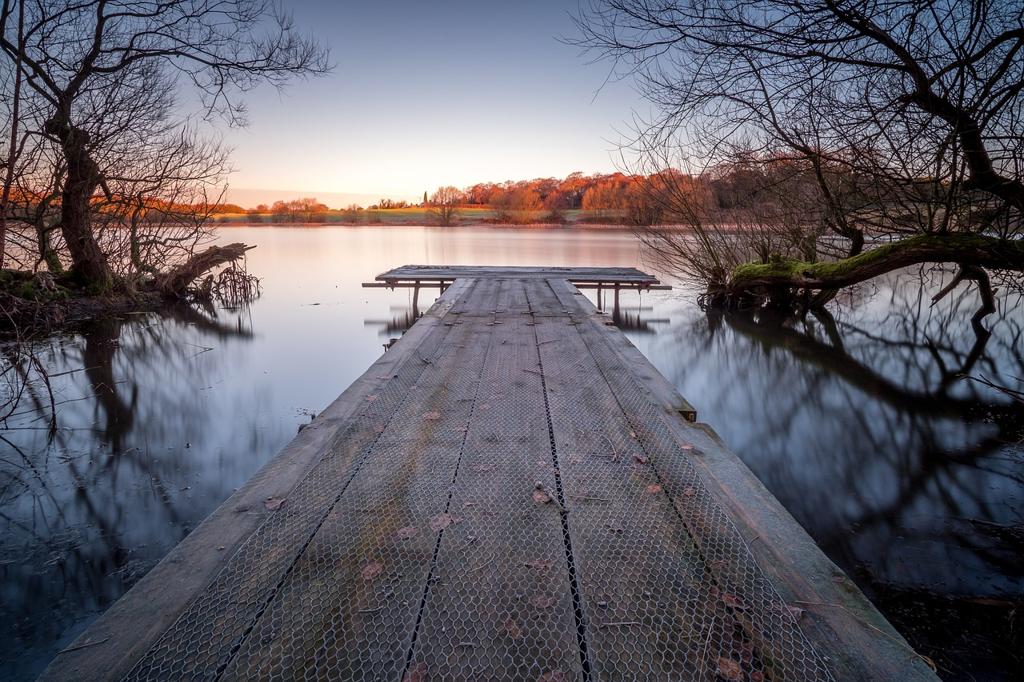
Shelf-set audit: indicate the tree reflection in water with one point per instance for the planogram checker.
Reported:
(869, 428)
(137, 460)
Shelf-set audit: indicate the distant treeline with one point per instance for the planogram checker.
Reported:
(612, 198)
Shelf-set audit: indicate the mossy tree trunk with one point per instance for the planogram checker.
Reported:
(788, 283)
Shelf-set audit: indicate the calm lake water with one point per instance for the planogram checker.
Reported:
(908, 475)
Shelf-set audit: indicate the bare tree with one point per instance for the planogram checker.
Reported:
(102, 66)
(902, 118)
(444, 205)
(13, 116)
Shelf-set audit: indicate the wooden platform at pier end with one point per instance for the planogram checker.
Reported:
(510, 492)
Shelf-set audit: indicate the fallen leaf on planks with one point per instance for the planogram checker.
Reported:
(406, 532)
(729, 669)
(442, 521)
(371, 570)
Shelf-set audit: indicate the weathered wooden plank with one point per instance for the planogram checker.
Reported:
(652, 609)
(202, 640)
(500, 604)
(839, 621)
(132, 625)
(349, 606)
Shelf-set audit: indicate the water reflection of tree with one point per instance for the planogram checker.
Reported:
(868, 426)
(90, 506)
(910, 407)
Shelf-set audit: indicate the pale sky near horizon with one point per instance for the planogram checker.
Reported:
(425, 94)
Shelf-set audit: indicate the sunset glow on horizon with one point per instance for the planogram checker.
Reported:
(403, 113)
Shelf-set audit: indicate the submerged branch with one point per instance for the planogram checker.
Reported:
(175, 282)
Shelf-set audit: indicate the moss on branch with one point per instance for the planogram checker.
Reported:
(964, 249)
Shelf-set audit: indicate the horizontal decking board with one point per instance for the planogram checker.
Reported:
(575, 274)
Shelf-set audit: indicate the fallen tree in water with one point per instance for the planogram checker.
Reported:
(785, 282)
(41, 300)
(176, 282)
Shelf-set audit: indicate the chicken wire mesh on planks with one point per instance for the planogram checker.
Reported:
(508, 505)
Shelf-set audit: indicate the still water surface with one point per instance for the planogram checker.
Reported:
(908, 475)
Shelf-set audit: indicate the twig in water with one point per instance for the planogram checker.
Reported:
(84, 645)
(72, 371)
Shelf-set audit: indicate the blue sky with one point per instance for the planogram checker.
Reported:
(432, 93)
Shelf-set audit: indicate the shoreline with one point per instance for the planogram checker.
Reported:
(393, 223)
(26, 317)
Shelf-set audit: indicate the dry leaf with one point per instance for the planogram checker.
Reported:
(370, 398)
(371, 570)
(542, 601)
(416, 673)
(632, 433)
(273, 503)
(686, 446)
(406, 532)
(734, 601)
(640, 458)
(729, 669)
(539, 564)
(794, 612)
(757, 676)
(654, 488)
(540, 496)
(485, 406)
(512, 629)
(433, 415)
(442, 521)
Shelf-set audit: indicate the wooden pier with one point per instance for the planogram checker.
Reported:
(511, 492)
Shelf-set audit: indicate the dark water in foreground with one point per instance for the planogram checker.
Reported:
(909, 476)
